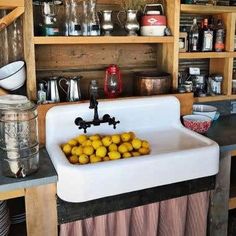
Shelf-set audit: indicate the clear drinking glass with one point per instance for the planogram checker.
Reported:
(74, 19)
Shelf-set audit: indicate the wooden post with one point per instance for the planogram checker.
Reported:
(29, 50)
(218, 215)
(41, 210)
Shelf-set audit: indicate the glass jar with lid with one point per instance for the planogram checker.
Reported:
(19, 144)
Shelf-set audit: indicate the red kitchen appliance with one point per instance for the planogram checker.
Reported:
(153, 21)
(112, 82)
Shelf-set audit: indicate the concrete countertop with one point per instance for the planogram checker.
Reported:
(45, 175)
(223, 131)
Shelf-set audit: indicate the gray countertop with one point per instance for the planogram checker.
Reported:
(45, 175)
(223, 131)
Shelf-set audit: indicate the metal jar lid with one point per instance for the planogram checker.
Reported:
(15, 102)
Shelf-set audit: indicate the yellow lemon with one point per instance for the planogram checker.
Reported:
(136, 143)
(144, 151)
(106, 158)
(87, 143)
(83, 159)
(125, 137)
(74, 159)
(113, 147)
(129, 146)
(145, 144)
(81, 138)
(62, 145)
(126, 155)
(88, 150)
(93, 155)
(122, 148)
(67, 149)
(72, 142)
(79, 151)
(101, 151)
(106, 141)
(132, 135)
(94, 137)
(115, 138)
(73, 150)
(96, 144)
(114, 155)
(135, 154)
(95, 159)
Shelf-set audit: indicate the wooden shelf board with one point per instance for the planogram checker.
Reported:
(12, 194)
(232, 203)
(8, 4)
(213, 98)
(206, 9)
(194, 55)
(102, 40)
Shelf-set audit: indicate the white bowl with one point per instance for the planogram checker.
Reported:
(206, 110)
(13, 75)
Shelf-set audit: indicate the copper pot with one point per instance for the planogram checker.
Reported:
(152, 83)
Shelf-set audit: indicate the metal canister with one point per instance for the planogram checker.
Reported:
(215, 84)
(19, 146)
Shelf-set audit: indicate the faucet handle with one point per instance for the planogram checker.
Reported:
(115, 123)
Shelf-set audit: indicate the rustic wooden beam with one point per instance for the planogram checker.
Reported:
(41, 210)
(11, 17)
(218, 213)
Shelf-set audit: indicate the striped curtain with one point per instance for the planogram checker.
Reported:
(183, 216)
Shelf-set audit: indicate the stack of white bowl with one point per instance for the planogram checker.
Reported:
(13, 75)
(17, 219)
(4, 219)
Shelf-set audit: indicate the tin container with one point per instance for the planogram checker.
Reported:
(19, 145)
(152, 83)
(153, 22)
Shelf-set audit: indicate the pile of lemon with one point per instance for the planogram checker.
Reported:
(96, 148)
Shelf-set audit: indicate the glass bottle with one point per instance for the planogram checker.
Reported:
(67, 17)
(219, 36)
(41, 95)
(74, 19)
(93, 22)
(50, 25)
(194, 37)
(85, 18)
(206, 37)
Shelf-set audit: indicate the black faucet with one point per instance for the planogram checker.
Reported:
(94, 105)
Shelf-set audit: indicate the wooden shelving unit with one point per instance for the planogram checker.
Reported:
(102, 40)
(220, 62)
(43, 54)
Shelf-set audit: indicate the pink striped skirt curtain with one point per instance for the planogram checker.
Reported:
(183, 216)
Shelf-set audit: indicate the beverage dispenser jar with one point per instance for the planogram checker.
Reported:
(19, 146)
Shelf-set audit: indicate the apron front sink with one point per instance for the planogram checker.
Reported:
(177, 154)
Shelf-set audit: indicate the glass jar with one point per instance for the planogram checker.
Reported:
(19, 146)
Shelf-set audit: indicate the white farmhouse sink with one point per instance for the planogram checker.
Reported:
(177, 154)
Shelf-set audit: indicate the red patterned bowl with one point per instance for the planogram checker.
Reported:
(197, 123)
